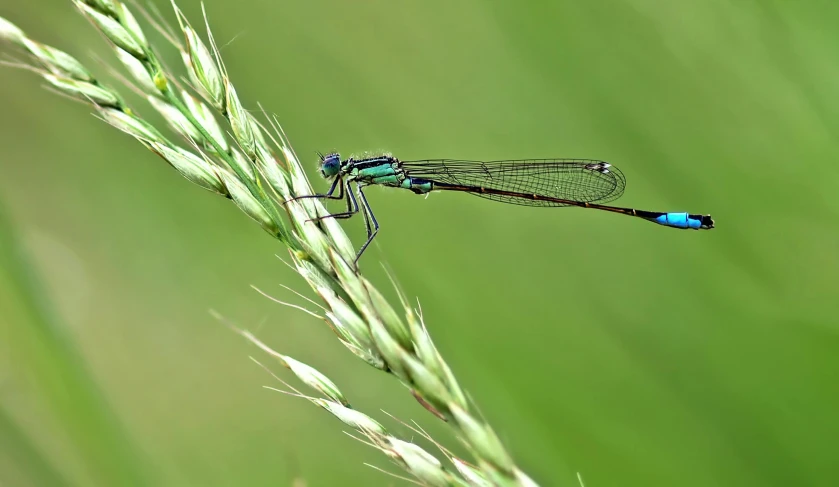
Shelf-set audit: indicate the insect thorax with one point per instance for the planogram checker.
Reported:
(385, 171)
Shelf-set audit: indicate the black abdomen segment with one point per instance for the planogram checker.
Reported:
(668, 219)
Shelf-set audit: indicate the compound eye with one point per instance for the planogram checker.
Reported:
(330, 165)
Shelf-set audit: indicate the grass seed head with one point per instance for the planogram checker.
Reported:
(427, 384)
(132, 26)
(108, 7)
(473, 476)
(176, 119)
(395, 326)
(248, 204)
(202, 65)
(203, 114)
(138, 71)
(240, 122)
(483, 441)
(113, 30)
(420, 463)
(316, 380)
(194, 168)
(58, 62)
(131, 125)
(83, 91)
(11, 33)
(322, 254)
(352, 418)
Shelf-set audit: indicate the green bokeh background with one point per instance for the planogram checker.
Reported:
(593, 343)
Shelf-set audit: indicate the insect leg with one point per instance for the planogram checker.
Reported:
(368, 217)
(338, 184)
(352, 205)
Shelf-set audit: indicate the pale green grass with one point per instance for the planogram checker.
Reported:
(258, 170)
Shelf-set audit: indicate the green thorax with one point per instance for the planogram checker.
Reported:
(384, 171)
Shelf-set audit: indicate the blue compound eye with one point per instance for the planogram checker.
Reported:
(330, 165)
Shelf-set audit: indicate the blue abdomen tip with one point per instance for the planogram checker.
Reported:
(678, 220)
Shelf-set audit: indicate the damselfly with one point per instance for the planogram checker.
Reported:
(534, 182)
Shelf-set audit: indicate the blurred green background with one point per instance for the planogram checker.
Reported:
(593, 343)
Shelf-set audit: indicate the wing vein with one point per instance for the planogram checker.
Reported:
(584, 180)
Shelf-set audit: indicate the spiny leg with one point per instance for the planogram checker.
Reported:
(352, 206)
(338, 184)
(368, 217)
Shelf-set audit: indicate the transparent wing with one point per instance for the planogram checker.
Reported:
(582, 180)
